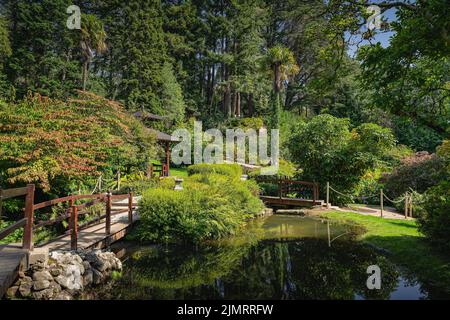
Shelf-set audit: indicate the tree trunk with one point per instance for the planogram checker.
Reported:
(234, 106)
(227, 94)
(85, 73)
(277, 79)
(238, 104)
(208, 85)
(250, 104)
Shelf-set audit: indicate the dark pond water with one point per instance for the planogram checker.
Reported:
(279, 257)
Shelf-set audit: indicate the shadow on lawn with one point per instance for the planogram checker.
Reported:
(402, 224)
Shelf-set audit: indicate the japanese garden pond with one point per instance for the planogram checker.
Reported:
(277, 257)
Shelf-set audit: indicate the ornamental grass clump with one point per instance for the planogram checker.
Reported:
(210, 206)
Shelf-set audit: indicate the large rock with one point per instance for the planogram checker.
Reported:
(42, 275)
(41, 285)
(65, 282)
(71, 278)
(46, 294)
(25, 286)
(65, 274)
(52, 291)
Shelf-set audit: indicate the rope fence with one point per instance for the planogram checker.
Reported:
(407, 198)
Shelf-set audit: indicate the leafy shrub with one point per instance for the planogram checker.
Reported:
(434, 214)
(415, 135)
(14, 237)
(210, 206)
(417, 172)
(137, 183)
(326, 150)
(231, 170)
(369, 188)
(286, 169)
(434, 219)
(59, 145)
(417, 198)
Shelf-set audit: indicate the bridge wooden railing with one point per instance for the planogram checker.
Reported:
(27, 221)
(305, 189)
(72, 212)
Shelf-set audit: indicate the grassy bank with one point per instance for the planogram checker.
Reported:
(406, 244)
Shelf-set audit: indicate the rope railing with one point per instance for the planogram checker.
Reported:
(352, 196)
(407, 198)
(394, 201)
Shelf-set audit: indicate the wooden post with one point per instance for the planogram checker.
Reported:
(1, 203)
(411, 205)
(314, 194)
(406, 205)
(381, 202)
(168, 157)
(29, 215)
(74, 228)
(108, 213)
(280, 190)
(118, 179)
(130, 208)
(329, 235)
(328, 195)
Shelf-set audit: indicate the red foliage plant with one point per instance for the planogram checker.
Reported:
(43, 140)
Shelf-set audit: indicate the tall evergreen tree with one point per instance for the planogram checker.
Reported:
(141, 54)
(45, 58)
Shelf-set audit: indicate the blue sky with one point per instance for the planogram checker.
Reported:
(382, 37)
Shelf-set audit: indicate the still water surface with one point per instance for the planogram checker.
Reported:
(278, 257)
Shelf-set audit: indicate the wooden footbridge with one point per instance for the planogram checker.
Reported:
(287, 193)
(119, 214)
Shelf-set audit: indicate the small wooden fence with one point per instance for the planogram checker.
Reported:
(72, 213)
(296, 188)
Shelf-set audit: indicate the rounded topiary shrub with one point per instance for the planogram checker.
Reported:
(210, 206)
(231, 170)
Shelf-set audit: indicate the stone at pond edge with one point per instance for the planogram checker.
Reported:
(65, 275)
(42, 275)
(25, 286)
(12, 292)
(41, 285)
(53, 290)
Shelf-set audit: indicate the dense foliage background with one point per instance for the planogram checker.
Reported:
(350, 110)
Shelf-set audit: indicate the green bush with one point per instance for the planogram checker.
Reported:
(326, 149)
(231, 170)
(434, 219)
(286, 169)
(210, 206)
(434, 216)
(417, 172)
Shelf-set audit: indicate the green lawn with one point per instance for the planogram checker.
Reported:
(406, 244)
(179, 172)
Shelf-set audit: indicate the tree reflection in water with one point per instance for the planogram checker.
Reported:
(255, 266)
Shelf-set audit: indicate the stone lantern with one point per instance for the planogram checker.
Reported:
(178, 185)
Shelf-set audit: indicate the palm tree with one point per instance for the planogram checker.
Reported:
(93, 38)
(281, 63)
